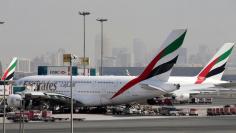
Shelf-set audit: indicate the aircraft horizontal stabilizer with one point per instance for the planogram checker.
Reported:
(151, 87)
(226, 85)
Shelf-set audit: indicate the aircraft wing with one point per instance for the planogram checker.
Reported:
(61, 97)
(56, 94)
(40, 93)
(50, 96)
(37, 94)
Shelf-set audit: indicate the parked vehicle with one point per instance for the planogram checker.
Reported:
(169, 110)
(118, 110)
(210, 112)
(35, 115)
(132, 110)
(233, 110)
(21, 116)
(209, 100)
(193, 112)
(202, 100)
(227, 110)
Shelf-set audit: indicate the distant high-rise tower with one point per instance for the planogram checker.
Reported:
(59, 56)
(232, 59)
(38, 61)
(182, 56)
(201, 57)
(139, 53)
(122, 57)
(0, 69)
(53, 59)
(107, 60)
(23, 65)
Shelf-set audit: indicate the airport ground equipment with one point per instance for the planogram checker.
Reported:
(193, 112)
(226, 110)
(33, 115)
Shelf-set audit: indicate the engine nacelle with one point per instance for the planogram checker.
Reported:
(182, 97)
(14, 100)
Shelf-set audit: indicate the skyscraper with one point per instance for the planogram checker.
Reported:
(59, 56)
(182, 56)
(23, 65)
(107, 52)
(201, 57)
(139, 53)
(0, 69)
(122, 57)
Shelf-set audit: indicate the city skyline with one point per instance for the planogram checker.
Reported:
(120, 57)
(34, 28)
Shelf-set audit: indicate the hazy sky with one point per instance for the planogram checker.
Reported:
(34, 27)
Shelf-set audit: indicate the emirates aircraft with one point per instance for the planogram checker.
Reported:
(209, 78)
(111, 90)
(8, 76)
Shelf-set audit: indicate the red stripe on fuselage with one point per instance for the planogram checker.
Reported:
(140, 78)
(202, 76)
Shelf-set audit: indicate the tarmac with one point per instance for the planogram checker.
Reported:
(138, 124)
(217, 124)
(98, 117)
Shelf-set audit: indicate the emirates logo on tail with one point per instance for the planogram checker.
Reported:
(9, 73)
(151, 71)
(217, 64)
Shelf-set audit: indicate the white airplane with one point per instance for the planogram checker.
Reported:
(209, 78)
(111, 90)
(8, 76)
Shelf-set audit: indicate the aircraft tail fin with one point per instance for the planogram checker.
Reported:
(162, 64)
(216, 66)
(160, 67)
(9, 73)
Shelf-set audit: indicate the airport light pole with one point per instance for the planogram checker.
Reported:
(71, 100)
(101, 20)
(22, 113)
(84, 14)
(4, 108)
(4, 81)
(72, 57)
(4, 99)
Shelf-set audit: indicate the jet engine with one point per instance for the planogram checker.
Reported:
(14, 100)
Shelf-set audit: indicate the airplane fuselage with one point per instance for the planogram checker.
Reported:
(92, 90)
(182, 80)
(188, 86)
